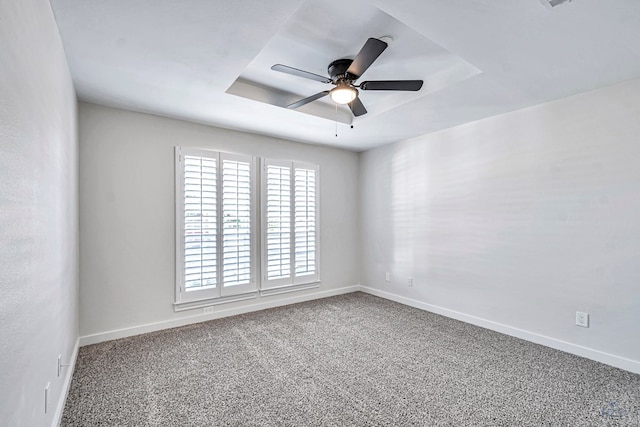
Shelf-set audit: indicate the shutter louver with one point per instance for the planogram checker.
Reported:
(305, 221)
(290, 224)
(200, 261)
(278, 207)
(236, 227)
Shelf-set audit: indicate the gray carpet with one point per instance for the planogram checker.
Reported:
(352, 360)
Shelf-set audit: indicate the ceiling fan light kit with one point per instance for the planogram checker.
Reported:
(343, 94)
(345, 72)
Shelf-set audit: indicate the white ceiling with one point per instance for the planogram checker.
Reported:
(320, 32)
(191, 59)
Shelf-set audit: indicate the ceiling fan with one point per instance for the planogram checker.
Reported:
(344, 73)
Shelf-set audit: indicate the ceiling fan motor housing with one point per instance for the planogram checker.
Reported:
(338, 70)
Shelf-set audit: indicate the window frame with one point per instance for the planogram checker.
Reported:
(220, 291)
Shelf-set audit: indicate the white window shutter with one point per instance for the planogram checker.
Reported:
(289, 237)
(200, 222)
(278, 222)
(236, 228)
(238, 224)
(215, 230)
(305, 229)
(196, 225)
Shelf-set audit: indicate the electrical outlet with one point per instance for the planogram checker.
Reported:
(582, 319)
(387, 276)
(411, 282)
(207, 310)
(61, 365)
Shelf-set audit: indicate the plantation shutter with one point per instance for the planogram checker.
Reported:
(277, 256)
(289, 238)
(199, 222)
(237, 228)
(305, 221)
(215, 224)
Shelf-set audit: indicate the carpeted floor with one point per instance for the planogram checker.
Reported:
(352, 360)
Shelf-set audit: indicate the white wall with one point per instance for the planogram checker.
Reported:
(127, 224)
(516, 222)
(38, 214)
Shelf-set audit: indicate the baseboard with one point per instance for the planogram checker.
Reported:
(586, 352)
(66, 385)
(263, 303)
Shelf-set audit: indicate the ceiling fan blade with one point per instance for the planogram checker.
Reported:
(412, 85)
(357, 107)
(367, 55)
(300, 73)
(307, 100)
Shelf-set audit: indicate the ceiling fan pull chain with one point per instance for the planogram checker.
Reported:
(336, 120)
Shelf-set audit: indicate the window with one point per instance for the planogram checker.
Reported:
(216, 225)
(289, 224)
(217, 234)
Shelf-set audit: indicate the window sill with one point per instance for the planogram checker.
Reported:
(288, 288)
(190, 305)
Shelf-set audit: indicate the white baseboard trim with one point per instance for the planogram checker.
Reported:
(263, 303)
(578, 350)
(68, 376)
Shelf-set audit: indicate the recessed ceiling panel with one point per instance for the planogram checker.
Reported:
(320, 32)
